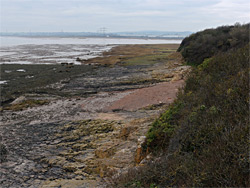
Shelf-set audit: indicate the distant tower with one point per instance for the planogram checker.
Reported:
(103, 30)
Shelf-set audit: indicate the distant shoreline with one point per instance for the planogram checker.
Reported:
(83, 37)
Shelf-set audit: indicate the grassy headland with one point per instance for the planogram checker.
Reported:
(202, 138)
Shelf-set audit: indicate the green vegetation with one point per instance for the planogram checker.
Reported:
(146, 60)
(202, 138)
(159, 55)
(135, 54)
(164, 127)
(205, 44)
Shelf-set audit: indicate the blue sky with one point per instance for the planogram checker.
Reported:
(120, 15)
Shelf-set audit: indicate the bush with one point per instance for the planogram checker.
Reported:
(209, 42)
(202, 139)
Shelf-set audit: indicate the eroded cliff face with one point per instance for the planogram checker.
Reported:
(79, 141)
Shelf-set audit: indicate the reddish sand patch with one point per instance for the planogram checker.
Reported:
(160, 93)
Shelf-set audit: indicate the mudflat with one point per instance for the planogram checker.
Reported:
(78, 126)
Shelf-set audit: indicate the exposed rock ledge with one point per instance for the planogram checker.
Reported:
(83, 140)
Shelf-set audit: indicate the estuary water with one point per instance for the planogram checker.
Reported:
(54, 50)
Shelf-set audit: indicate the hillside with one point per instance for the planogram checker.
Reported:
(201, 140)
(210, 42)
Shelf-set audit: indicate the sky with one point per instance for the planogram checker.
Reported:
(120, 15)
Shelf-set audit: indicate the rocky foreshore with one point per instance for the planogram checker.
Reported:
(91, 132)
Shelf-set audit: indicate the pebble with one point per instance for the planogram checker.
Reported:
(41, 177)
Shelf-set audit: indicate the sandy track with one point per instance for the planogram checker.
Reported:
(160, 93)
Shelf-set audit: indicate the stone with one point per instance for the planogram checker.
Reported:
(18, 100)
(140, 154)
(124, 133)
(3, 152)
(72, 167)
(104, 151)
(177, 77)
(170, 75)
(80, 146)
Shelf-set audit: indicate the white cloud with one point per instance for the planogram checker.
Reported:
(229, 11)
(47, 15)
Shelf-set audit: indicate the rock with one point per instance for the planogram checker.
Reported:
(25, 178)
(18, 100)
(55, 161)
(72, 167)
(72, 183)
(81, 173)
(69, 168)
(79, 178)
(80, 147)
(140, 155)
(124, 133)
(141, 140)
(144, 161)
(85, 144)
(102, 172)
(104, 151)
(177, 77)
(170, 75)
(41, 177)
(3, 153)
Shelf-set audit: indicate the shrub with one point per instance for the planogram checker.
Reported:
(202, 139)
(209, 42)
